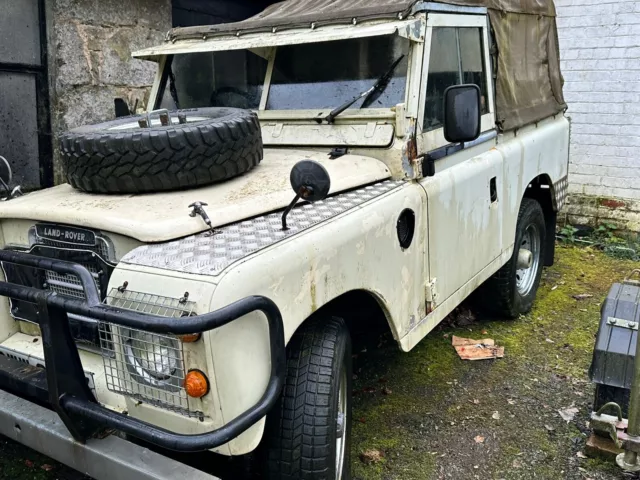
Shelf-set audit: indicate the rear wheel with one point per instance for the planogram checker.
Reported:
(308, 433)
(512, 289)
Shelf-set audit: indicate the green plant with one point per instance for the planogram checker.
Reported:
(606, 237)
(621, 252)
(568, 233)
(605, 230)
(615, 243)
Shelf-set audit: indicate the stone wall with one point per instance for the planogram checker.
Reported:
(600, 60)
(90, 45)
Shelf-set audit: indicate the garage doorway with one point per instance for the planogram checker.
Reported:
(25, 128)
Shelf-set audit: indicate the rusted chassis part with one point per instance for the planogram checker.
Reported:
(66, 389)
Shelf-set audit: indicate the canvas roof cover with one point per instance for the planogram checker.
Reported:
(528, 78)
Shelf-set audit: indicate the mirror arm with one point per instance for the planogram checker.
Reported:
(288, 209)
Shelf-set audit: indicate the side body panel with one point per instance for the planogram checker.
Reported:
(474, 194)
(465, 218)
(480, 235)
(465, 225)
(538, 149)
(356, 251)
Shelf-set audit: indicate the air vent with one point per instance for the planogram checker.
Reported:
(406, 227)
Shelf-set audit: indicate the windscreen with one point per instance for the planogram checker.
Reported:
(308, 76)
(215, 79)
(326, 75)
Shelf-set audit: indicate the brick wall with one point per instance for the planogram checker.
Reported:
(89, 47)
(600, 60)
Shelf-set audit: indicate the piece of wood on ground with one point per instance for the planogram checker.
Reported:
(602, 447)
(460, 341)
(470, 349)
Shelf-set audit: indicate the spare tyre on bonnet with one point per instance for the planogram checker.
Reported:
(174, 150)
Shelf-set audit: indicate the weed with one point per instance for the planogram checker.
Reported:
(568, 233)
(605, 237)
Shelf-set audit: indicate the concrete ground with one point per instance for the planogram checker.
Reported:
(429, 415)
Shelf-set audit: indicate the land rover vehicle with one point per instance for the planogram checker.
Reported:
(162, 294)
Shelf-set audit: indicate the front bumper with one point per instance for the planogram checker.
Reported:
(104, 459)
(64, 385)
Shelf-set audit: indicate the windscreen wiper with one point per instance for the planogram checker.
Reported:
(370, 95)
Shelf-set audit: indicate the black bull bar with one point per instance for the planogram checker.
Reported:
(68, 392)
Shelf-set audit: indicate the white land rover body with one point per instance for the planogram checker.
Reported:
(434, 192)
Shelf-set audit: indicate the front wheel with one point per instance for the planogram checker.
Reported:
(512, 289)
(308, 432)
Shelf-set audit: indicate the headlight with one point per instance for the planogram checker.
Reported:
(155, 360)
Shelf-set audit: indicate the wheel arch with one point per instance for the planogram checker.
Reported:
(542, 190)
(357, 307)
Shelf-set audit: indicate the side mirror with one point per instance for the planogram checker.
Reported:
(462, 113)
(121, 108)
(310, 181)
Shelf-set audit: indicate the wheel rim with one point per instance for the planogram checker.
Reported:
(341, 424)
(526, 277)
(155, 122)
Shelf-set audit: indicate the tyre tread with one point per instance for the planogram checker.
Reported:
(181, 156)
(298, 436)
(498, 291)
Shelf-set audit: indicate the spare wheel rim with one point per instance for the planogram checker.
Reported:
(155, 122)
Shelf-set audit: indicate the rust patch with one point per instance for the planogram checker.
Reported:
(412, 148)
(602, 447)
(314, 303)
(29, 370)
(611, 203)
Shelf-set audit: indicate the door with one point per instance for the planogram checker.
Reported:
(25, 132)
(464, 218)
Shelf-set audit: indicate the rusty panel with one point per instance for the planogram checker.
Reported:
(19, 127)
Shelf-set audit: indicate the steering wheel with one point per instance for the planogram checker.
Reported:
(242, 99)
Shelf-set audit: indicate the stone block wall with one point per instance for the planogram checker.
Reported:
(89, 46)
(600, 61)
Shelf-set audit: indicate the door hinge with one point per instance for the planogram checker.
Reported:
(431, 296)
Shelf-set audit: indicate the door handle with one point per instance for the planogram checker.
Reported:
(493, 190)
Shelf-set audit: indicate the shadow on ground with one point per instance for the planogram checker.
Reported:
(433, 416)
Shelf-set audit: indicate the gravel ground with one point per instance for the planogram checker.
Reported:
(429, 415)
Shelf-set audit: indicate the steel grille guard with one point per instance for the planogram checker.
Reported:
(68, 392)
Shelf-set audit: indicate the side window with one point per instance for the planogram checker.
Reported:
(472, 60)
(456, 58)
